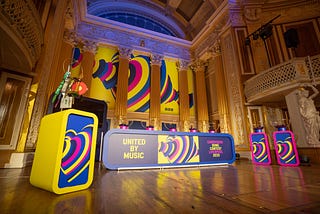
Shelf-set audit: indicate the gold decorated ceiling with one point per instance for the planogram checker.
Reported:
(189, 15)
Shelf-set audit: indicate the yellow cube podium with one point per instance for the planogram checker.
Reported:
(65, 153)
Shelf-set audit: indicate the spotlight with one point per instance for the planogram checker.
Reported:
(266, 32)
(247, 41)
(255, 36)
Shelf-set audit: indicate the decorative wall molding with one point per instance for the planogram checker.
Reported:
(21, 21)
(210, 38)
(74, 39)
(252, 13)
(118, 38)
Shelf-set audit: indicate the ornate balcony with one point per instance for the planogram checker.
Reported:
(21, 35)
(275, 83)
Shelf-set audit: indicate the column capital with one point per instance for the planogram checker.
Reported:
(156, 59)
(70, 37)
(198, 64)
(183, 65)
(89, 46)
(125, 52)
(215, 49)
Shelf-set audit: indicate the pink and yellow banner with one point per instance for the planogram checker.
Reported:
(169, 85)
(104, 82)
(104, 77)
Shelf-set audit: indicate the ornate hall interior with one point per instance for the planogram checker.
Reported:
(222, 66)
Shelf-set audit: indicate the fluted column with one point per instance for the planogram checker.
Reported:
(223, 107)
(46, 67)
(89, 51)
(183, 96)
(154, 114)
(64, 61)
(122, 87)
(201, 99)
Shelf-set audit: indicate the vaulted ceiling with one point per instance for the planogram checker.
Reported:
(180, 18)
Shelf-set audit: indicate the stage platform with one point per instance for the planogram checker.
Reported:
(240, 187)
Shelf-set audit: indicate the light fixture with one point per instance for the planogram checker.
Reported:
(255, 36)
(247, 41)
(266, 31)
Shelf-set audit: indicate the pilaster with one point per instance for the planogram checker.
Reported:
(89, 51)
(183, 95)
(201, 97)
(122, 87)
(46, 67)
(234, 91)
(154, 116)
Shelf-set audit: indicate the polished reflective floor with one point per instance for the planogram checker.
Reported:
(238, 188)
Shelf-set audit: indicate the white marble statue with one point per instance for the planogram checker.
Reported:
(309, 114)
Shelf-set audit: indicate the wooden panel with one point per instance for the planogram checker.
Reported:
(12, 102)
(309, 45)
(245, 53)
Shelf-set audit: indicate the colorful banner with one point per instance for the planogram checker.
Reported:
(260, 150)
(104, 82)
(169, 85)
(76, 62)
(128, 149)
(104, 76)
(139, 84)
(286, 150)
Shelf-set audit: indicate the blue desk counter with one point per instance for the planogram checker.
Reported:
(138, 149)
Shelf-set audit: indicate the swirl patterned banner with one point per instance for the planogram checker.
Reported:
(104, 82)
(76, 62)
(286, 150)
(179, 149)
(260, 150)
(105, 75)
(139, 84)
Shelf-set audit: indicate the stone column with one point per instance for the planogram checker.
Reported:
(64, 61)
(201, 98)
(222, 99)
(184, 96)
(89, 51)
(122, 87)
(46, 68)
(154, 114)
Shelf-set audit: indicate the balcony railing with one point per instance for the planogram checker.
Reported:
(280, 79)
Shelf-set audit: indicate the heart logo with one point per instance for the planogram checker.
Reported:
(285, 150)
(76, 152)
(259, 151)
